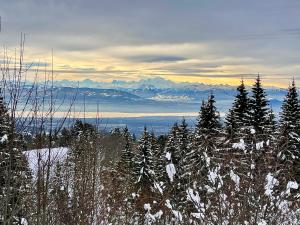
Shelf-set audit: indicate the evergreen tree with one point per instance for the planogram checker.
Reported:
(14, 172)
(60, 196)
(153, 145)
(260, 111)
(174, 157)
(231, 125)
(183, 138)
(208, 128)
(161, 141)
(158, 158)
(82, 165)
(290, 124)
(177, 147)
(144, 164)
(183, 145)
(65, 138)
(196, 167)
(5, 125)
(127, 154)
(238, 117)
(272, 123)
(204, 146)
(172, 146)
(208, 121)
(241, 106)
(82, 128)
(290, 115)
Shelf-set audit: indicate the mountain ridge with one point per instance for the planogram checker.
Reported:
(146, 83)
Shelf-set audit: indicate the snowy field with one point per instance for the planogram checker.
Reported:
(53, 156)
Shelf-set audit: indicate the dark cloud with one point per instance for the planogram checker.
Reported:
(125, 21)
(267, 32)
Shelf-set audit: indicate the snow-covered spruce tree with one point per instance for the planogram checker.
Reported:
(272, 124)
(208, 121)
(83, 165)
(255, 138)
(208, 131)
(144, 175)
(184, 140)
(231, 127)
(290, 121)
(183, 137)
(204, 146)
(260, 138)
(175, 158)
(260, 111)
(241, 106)
(144, 164)
(172, 151)
(205, 137)
(172, 157)
(127, 153)
(158, 158)
(237, 119)
(121, 201)
(289, 139)
(14, 172)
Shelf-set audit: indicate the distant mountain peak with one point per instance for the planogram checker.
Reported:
(156, 82)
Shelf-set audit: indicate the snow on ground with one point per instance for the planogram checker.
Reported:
(56, 155)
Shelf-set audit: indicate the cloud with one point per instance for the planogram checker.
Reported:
(174, 38)
(161, 49)
(157, 58)
(292, 31)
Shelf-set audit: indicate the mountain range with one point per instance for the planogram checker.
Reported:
(156, 102)
(149, 83)
(157, 95)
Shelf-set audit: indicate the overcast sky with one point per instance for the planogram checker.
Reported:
(183, 40)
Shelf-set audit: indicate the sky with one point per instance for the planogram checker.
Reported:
(208, 41)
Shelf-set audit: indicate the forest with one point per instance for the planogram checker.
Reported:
(241, 169)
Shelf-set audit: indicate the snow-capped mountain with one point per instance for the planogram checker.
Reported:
(149, 83)
(152, 95)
